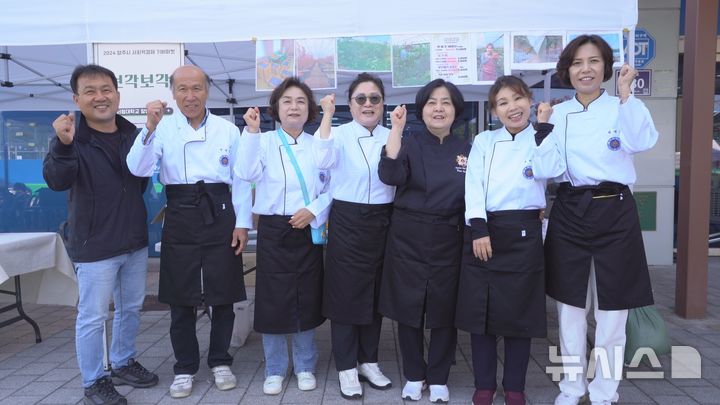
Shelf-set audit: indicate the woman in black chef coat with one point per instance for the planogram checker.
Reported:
(422, 259)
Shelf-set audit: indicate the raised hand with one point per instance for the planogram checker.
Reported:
(627, 75)
(399, 116)
(155, 112)
(544, 111)
(327, 104)
(64, 126)
(252, 119)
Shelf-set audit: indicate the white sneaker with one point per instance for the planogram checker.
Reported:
(224, 378)
(601, 403)
(350, 387)
(566, 399)
(181, 386)
(273, 385)
(439, 393)
(370, 373)
(413, 390)
(306, 381)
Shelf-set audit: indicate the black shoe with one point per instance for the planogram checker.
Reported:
(135, 375)
(102, 392)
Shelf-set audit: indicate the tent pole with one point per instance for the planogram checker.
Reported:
(55, 82)
(631, 47)
(7, 65)
(547, 84)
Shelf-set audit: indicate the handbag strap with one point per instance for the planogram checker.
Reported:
(295, 164)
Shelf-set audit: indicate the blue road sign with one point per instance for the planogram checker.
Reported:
(644, 47)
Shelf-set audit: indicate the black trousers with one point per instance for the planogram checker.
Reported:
(441, 353)
(484, 356)
(353, 344)
(185, 343)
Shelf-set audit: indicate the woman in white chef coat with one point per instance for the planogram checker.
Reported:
(594, 250)
(288, 292)
(502, 283)
(358, 227)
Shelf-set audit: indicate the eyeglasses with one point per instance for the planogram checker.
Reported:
(374, 99)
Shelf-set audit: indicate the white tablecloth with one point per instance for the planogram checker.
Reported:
(47, 274)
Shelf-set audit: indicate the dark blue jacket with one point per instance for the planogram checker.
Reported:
(106, 212)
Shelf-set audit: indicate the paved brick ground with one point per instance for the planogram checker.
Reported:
(47, 373)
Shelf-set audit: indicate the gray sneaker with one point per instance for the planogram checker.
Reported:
(102, 392)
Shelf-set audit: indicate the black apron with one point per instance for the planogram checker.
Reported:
(421, 269)
(602, 223)
(505, 295)
(288, 291)
(196, 257)
(355, 250)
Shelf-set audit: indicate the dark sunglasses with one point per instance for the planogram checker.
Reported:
(374, 99)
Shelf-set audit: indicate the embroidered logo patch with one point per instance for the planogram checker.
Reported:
(527, 172)
(324, 178)
(613, 143)
(461, 161)
(224, 160)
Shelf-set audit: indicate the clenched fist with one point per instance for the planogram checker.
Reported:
(64, 126)
(155, 112)
(252, 119)
(327, 104)
(398, 116)
(544, 111)
(627, 75)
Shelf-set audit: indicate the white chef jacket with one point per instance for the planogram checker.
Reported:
(353, 154)
(597, 143)
(507, 174)
(188, 155)
(263, 160)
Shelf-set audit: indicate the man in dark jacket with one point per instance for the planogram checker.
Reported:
(107, 237)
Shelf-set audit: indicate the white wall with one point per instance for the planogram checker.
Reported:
(656, 167)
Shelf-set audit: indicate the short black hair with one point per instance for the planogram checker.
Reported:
(516, 84)
(568, 55)
(424, 93)
(90, 70)
(282, 88)
(366, 77)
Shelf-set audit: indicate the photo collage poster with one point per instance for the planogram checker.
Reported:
(413, 60)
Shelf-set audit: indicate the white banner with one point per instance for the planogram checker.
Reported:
(453, 58)
(143, 74)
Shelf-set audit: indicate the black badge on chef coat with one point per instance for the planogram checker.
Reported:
(224, 160)
(528, 173)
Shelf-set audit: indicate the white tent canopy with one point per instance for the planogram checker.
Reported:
(41, 41)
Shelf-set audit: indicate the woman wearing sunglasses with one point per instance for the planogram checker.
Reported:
(357, 231)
